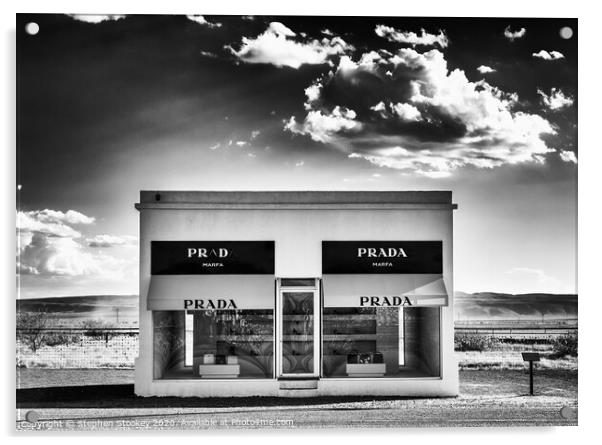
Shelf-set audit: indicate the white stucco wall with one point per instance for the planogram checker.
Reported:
(298, 236)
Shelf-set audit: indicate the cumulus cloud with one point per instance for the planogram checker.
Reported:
(568, 156)
(321, 126)
(556, 99)
(513, 35)
(411, 38)
(58, 257)
(52, 222)
(422, 117)
(484, 69)
(278, 46)
(201, 20)
(48, 246)
(95, 19)
(403, 111)
(111, 240)
(545, 55)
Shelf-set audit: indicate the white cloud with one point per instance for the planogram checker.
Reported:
(312, 93)
(208, 54)
(215, 147)
(403, 111)
(556, 99)
(484, 69)
(52, 222)
(379, 107)
(55, 256)
(424, 39)
(277, 46)
(280, 29)
(454, 122)
(568, 156)
(95, 19)
(201, 20)
(48, 246)
(241, 143)
(255, 134)
(545, 55)
(111, 240)
(406, 112)
(299, 163)
(322, 126)
(513, 35)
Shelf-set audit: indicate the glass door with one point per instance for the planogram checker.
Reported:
(299, 332)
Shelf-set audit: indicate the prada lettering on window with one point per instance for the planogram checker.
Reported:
(219, 303)
(378, 301)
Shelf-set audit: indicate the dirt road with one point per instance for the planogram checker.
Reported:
(488, 398)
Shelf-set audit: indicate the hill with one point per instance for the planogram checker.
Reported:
(122, 310)
(490, 305)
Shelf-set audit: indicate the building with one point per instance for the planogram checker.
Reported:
(296, 294)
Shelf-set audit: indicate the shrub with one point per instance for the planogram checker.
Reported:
(95, 328)
(466, 342)
(31, 328)
(58, 338)
(565, 345)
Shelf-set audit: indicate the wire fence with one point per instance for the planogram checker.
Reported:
(77, 348)
(59, 348)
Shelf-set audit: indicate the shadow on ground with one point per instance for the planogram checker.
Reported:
(122, 396)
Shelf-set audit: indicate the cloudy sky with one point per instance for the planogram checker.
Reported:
(110, 105)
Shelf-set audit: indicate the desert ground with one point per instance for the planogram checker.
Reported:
(105, 399)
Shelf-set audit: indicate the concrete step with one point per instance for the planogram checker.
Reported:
(298, 384)
(298, 393)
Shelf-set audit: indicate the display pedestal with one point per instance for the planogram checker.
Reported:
(366, 369)
(219, 371)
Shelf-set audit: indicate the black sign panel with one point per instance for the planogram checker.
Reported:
(212, 257)
(382, 257)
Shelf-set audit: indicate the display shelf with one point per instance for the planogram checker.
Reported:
(298, 338)
(349, 337)
(348, 317)
(253, 338)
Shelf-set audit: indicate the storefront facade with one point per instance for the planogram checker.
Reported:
(296, 294)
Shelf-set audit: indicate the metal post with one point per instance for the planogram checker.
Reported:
(531, 377)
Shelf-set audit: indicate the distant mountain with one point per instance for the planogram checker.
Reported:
(123, 309)
(487, 305)
(118, 310)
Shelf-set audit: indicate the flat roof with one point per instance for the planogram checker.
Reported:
(294, 197)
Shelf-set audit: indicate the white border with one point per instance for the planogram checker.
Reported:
(589, 186)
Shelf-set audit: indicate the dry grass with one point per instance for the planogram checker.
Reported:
(508, 356)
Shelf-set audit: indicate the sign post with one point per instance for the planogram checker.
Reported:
(530, 357)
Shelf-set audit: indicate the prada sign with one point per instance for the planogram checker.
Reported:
(384, 301)
(206, 304)
(212, 257)
(382, 257)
